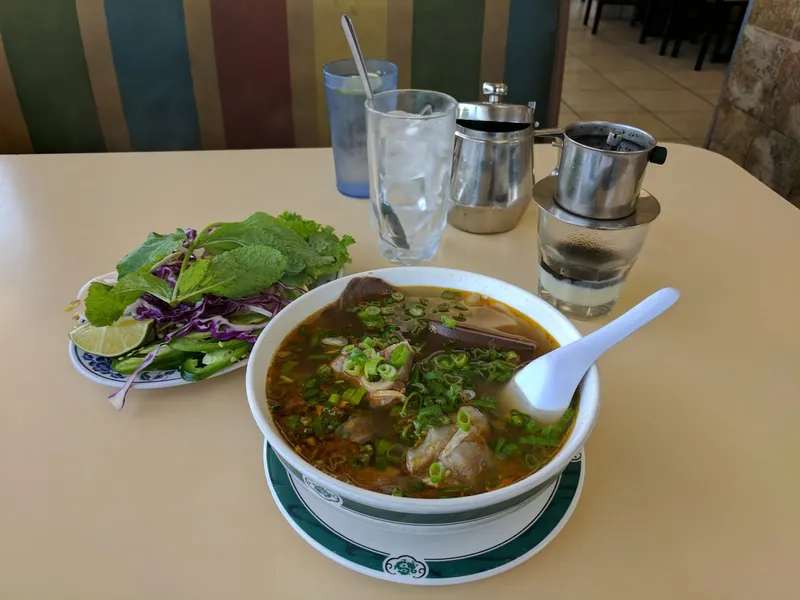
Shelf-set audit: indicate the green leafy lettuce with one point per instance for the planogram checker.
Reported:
(239, 259)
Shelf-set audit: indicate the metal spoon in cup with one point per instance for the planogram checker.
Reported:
(395, 227)
(546, 386)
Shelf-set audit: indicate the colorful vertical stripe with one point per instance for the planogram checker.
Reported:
(252, 50)
(99, 62)
(44, 50)
(529, 52)
(302, 71)
(200, 41)
(148, 42)
(119, 75)
(370, 20)
(493, 43)
(400, 19)
(13, 129)
(448, 35)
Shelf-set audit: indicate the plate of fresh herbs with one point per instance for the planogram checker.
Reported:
(189, 305)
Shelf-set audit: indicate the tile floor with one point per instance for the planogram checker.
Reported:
(611, 76)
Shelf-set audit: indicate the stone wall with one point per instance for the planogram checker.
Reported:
(757, 122)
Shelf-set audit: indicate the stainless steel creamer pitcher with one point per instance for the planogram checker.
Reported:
(491, 183)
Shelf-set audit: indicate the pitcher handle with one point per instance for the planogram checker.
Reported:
(557, 134)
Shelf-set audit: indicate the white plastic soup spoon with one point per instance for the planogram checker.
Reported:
(548, 384)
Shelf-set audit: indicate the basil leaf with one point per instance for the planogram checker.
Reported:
(155, 248)
(244, 271)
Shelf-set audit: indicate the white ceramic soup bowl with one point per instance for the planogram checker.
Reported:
(414, 511)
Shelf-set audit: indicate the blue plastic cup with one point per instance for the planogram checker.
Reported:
(347, 117)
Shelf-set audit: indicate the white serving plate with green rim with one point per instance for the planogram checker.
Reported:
(422, 556)
(403, 513)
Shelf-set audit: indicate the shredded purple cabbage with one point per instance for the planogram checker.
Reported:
(209, 315)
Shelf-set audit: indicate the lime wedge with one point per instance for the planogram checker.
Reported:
(114, 340)
(353, 85)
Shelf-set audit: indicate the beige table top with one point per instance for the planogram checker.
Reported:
(692, 487)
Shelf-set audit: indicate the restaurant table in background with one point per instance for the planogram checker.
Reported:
(692, 484)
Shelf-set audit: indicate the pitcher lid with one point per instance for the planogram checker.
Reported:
(494, 110)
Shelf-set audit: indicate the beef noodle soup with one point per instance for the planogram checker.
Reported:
(398, 391)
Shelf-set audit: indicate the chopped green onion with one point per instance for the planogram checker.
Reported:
(292, 422)
(512, 357)
(461, 359)
(288, 366)
(334, 399)
(314, 339)
(453, 379)
(396, 491)
(498, 447)
(415, 485)
(510, 448)
(387, 372)
(485, 402)
(357, 396)
(380, 462)
(531, 461)
(348, 394)
(448, 321)
(518, 419)
(532, 440)
(359, 460)
(451, 295)
(370, 352)
(444, 361)
(395, 453)
(430, 411)
(463, 420)
(371, 368)
(436, 472)
(367, 342)
(351, 368)
(398, 297)
(387, 310)
(416, 311)
(459, 306)
(347, 348)
(318, 426)
(372, 311)
(286, 379)
(399, 356)
(382, 446)
(319, 356)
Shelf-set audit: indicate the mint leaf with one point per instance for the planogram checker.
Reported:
(155, 248)
(143, 283)
(299, 254)
(304, 228)
(244, 271)
(103, 307)
(234, 235)
(322, 240)
(192, 278)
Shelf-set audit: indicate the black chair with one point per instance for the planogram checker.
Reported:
(599, 10)
(711, 18)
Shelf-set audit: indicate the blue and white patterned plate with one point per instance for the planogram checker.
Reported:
(427, 556)
(98, 368)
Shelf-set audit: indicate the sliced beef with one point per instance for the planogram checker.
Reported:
(467, 461)
(358, 429)
(362, 288)
(397, 385)
(420, 458)
(478, 428)
(483, 338)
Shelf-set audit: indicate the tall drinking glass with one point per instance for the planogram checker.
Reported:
(345, 97)
(410, 136)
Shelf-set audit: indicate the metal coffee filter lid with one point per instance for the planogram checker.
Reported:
(495, 111)
(647, 209)
(610, 137)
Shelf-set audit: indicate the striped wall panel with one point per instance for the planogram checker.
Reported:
(142, 75)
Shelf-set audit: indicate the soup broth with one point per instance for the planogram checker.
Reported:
(396, 391)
